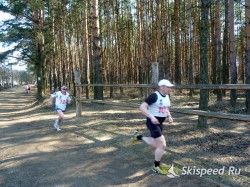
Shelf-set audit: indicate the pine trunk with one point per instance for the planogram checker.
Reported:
(204, 35)
(218, 48)
(233, 68)
(98, 91)
(247, 66)
(177, 43)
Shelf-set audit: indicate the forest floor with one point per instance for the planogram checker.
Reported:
(94, 150)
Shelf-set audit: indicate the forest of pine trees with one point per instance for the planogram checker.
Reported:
(116, 41)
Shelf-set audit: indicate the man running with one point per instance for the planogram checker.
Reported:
(62, 99)
(156, 109)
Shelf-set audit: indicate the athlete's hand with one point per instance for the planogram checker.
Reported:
(50, 103)
(170, 119)
(155, 121)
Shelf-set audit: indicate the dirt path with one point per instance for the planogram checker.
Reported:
(94, 150)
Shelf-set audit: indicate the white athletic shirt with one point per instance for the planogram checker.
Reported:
(161, 106)
(61, 99)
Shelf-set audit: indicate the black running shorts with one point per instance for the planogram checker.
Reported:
(155, 130)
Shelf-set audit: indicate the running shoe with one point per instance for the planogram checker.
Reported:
(159, 170)
(165, 166)
(133, 138)
(56, 124)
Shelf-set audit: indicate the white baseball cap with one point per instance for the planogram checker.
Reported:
(64, 87)
(165, 82)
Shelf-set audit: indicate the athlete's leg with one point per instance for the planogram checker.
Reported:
(150, 141)
(60, 115)
(161, 147)
(59, 119)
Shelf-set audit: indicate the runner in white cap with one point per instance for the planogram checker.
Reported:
(62, 99)
(156, 109)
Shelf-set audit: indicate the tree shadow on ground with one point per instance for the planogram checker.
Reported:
(94, 150)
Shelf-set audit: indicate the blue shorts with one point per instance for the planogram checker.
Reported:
(57, 108)
(155, 130)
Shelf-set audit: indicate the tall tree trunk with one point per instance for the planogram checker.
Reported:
(159, 38)
(118, 43)
(185, 44)
(196, 45)
(242, 54)
(53, 47)
(109, 52)
(233, 68)
(212, 45)
(247, 66)
(98, 90)
(218, 48)
(204, 35)
(63, 47)
(85, 47)
(191, 45)
(177, 43)
(147, 40)
(139, 48)
(225, 72)
(38, 20)
(166, 49)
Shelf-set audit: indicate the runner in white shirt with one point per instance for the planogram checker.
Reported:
(156, 109)
(62, 99)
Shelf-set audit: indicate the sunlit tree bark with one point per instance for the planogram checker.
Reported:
(98, 91)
